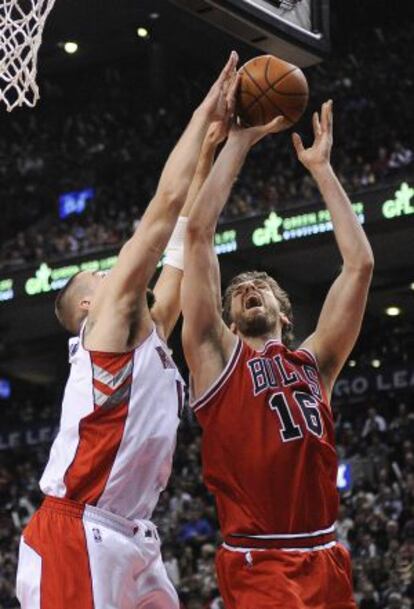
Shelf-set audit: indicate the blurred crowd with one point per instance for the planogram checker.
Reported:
(376, 518)
(100, 130)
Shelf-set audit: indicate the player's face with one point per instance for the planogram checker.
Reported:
(255, 309)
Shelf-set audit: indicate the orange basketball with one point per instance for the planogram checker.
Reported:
(271, 87)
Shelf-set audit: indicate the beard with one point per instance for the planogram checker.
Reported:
(261, 324)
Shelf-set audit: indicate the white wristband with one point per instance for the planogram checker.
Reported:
(174, 252)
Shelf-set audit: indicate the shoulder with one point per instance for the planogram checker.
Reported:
(305, 356)
(209, 391)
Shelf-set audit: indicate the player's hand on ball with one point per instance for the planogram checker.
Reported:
(219, 130)
(219, 102)
(252, 135)
(319, 153)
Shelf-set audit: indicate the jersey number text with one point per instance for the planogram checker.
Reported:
(308, 405)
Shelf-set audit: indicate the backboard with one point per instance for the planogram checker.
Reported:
(295, 30)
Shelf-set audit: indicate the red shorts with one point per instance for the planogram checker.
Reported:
(273, 579)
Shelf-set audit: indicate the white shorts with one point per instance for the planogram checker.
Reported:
(82, 557)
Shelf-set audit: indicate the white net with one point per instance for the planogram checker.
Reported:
(21, 29)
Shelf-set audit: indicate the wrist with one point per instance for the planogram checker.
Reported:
(243, 141)
(321, 170)
(174, 252)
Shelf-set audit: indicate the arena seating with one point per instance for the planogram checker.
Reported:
(99, 132)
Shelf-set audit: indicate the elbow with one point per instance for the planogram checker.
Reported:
(364, 266)
(366, 271)
(174, 202)
(197, 231)
(367, 263)
(172, 199)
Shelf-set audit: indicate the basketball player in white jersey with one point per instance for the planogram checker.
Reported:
(91, 545)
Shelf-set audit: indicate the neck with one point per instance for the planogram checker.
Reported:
(258, 342)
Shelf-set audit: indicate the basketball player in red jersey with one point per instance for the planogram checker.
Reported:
(268, 435)
(92, 544)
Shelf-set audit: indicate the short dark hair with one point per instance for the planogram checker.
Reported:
(281, 295)
(62, 311)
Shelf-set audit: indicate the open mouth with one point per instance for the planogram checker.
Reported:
(252, 301)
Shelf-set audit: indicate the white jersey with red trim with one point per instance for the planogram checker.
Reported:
(118, 426)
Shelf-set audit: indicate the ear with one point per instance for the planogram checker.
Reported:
(285, 320)
(85, 303)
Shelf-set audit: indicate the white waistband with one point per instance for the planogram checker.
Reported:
(119, 523)
(288, 536)
(325, 546)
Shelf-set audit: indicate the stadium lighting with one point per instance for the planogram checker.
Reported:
(393, 311)
(142, 32)
(71, 47)
(352, 363)
(412, 286)
(375, 363)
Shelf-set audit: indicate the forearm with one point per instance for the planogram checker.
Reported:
(217, 187)
(204, 165)
(175, 248)
(181, 164)
(167, 289)
(167, 307)
(353, 244)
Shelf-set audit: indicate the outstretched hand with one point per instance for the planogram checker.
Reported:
(218, 105)
(319, 154)
(252, 135)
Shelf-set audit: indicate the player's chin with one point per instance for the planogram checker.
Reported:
(255, 323)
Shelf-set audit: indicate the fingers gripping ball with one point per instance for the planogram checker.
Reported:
(271, 87)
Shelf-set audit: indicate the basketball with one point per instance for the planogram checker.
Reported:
(270, 87)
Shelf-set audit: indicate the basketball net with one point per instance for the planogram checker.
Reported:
(21, 29)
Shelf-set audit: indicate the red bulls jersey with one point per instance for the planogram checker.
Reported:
(268, 449)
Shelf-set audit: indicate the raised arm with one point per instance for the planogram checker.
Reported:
(207, 341)
(167, 290)
(341, 317)
(121, 300)
(140, 255)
